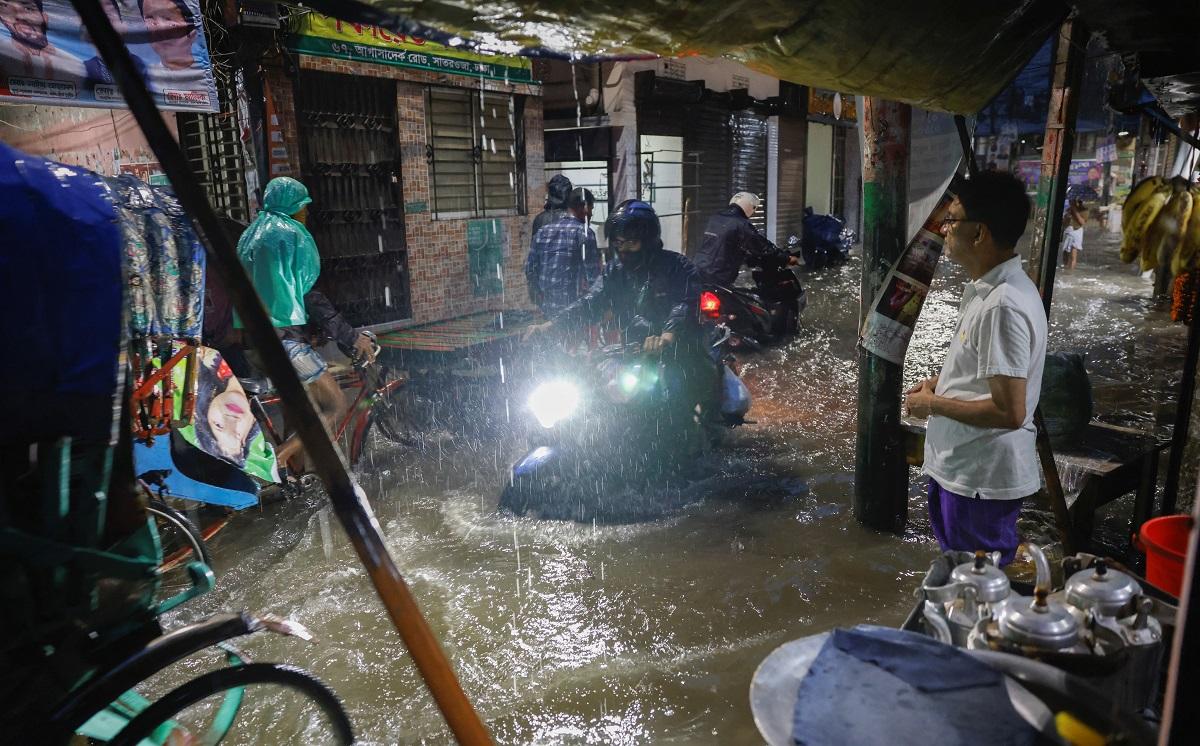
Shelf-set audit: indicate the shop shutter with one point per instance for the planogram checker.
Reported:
(749, 160)
(706, 142)
(793, 133)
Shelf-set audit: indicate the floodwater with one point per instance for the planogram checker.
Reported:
(644, 632)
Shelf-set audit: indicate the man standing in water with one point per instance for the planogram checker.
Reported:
(564, 260)
(980, 444)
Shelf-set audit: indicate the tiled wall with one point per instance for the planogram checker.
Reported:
(437, 249)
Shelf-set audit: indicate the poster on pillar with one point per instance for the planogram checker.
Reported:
(888, 327)
(47, 57)
(935, 152)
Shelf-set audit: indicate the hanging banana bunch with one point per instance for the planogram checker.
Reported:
(1142, 206)
(1157, 226)
(1188, 254)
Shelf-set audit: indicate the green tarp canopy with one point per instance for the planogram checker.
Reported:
(942, 55)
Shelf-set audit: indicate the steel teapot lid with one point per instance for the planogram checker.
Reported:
(991, 584)
(1106, 591)
(1043, 623)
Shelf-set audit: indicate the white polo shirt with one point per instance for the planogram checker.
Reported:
(1001, 331)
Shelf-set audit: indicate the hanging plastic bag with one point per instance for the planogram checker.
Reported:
(735, 397)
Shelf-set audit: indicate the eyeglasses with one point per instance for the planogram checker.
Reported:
(948, 222)
(619, 242)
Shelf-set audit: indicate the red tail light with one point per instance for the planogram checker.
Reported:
(710, 304)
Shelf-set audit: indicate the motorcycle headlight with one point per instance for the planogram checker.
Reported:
(553, 402)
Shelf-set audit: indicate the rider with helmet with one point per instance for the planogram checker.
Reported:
(648, 289)
(654, 296)
(730, 239)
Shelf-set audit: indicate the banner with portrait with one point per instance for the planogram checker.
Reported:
(47, 57)
(222, 455)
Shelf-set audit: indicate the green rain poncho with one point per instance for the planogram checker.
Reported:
(279, 253)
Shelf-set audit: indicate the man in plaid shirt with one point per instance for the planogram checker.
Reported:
(564, 261)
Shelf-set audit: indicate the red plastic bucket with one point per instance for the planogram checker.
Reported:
(1165, 541)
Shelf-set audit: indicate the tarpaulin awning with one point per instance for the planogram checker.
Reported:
(941, 55)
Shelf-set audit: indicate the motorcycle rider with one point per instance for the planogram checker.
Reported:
(653, 292)
(730, 239)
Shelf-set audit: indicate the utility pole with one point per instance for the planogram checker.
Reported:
(880, 469)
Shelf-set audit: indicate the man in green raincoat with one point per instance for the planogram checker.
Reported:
(281, 258)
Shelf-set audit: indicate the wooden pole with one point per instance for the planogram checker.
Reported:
(1057, 149)
(880, 469)
(348, 499)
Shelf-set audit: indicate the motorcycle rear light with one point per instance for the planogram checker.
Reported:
(710, 304)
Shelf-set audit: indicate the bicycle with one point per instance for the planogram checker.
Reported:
(372, 403)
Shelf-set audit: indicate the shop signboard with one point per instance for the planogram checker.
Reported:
(322, 36)
(46, 56)
(1082, 171)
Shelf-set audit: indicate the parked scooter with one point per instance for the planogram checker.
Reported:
(607, 432)
(826, 241)
(766, 314)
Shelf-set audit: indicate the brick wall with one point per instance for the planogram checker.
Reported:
(437, 249)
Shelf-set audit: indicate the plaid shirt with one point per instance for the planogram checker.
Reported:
(562, 264)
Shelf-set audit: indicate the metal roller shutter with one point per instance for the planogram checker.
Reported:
(706, 142)
(749, 160)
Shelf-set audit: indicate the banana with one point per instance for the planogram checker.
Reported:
(1141, 192)
(1139, 223)
(1189, 241)
(1163, 236)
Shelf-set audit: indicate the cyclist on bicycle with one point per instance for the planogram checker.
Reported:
(281, 258)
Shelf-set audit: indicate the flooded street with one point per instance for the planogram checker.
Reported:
(646, 632)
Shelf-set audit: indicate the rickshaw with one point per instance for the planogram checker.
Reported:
(81, 558)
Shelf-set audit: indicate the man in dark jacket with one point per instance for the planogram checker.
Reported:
(654, 297)
(730, 239)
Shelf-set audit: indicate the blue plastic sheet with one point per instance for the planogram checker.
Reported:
(60, 297)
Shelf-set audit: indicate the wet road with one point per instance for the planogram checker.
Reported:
(647, 632)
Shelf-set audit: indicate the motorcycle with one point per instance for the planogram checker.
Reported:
(766, 314)
(604, 426)
(826, 241)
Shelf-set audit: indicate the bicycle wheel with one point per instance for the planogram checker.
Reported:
(181, 543)
(169, 707)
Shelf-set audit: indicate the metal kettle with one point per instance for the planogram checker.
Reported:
(1045, 623)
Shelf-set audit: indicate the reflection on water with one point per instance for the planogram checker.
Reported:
(646, 632)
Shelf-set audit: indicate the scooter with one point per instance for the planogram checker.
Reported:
(826, 241)
(607, 431)
(766, 314)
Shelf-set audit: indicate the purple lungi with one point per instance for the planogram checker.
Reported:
(970, 523)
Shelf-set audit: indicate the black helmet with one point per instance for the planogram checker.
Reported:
(634, 218)
(557, 191)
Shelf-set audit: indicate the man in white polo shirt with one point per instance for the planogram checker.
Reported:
(980, 443)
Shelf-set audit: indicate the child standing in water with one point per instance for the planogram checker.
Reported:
(1072, 242)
